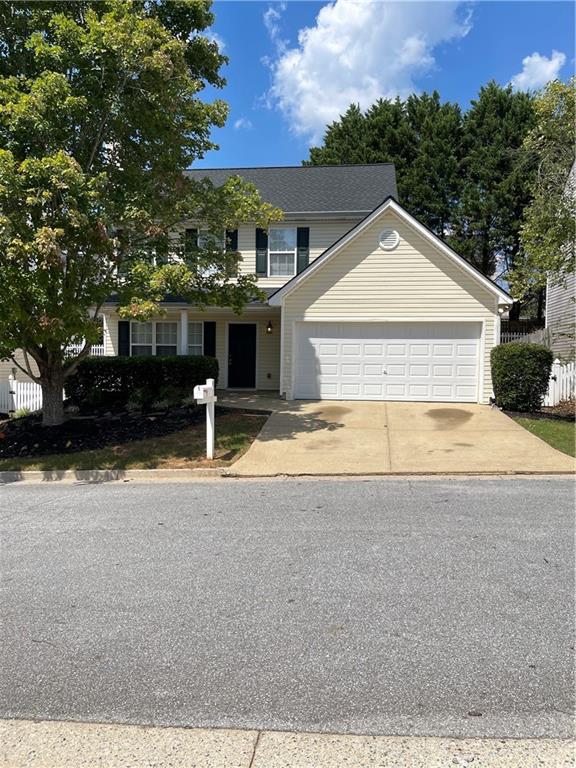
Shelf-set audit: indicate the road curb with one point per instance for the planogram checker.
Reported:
(96, 476)
(109, 475)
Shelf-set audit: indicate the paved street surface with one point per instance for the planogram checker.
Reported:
(386, 606)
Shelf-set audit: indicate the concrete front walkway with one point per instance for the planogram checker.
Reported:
(330, 437)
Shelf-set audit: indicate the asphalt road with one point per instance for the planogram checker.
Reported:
(432, 607)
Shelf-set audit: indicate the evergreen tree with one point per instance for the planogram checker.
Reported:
(421, 136)
(432, 181)
(495, 187)
(344, 141)
(461, 175)
(390, 138)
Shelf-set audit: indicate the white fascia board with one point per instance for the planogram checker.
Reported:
(278, 298)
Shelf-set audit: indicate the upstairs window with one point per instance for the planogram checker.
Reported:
(282, 251)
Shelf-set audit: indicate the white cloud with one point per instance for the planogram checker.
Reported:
(214, 37)
(242, 123)
(537, 70)
(357, 52)
(271, 18)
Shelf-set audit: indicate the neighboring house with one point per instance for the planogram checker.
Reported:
(561, 317)
(561, 301)
(363, 301)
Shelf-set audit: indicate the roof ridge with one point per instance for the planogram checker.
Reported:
(284, 167)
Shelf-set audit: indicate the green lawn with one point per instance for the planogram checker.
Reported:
(559, 434)
(181, 450)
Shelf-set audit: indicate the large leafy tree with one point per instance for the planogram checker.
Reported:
(548, 228)
(100, 114)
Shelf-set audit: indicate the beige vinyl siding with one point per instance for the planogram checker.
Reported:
(267, 345)
(7, 366)
(561, 316)
(322, 235)
(413, 282)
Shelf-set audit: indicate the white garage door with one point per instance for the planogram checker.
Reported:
(387, 361)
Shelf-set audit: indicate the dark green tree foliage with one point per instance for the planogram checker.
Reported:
(460, 174)
(432, 183)
(520, 375)
(345, 141)
(495, 187)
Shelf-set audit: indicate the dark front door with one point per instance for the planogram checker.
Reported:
(242, 356)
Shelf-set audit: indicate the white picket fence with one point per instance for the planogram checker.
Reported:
(562, 383)
(96, 351)
(16, 394)
(507, 336)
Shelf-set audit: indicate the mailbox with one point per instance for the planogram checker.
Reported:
(204, 395)
(200, 391)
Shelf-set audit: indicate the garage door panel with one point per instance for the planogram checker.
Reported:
(419, 370)
(442, 391)
(393, 361)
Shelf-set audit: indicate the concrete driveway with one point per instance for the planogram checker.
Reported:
(330, 437)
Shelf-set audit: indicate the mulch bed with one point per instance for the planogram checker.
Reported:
(27, 437)
(545, 413)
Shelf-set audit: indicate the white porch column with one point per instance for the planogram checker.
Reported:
(183, 332)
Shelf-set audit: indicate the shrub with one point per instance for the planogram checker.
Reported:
(520, 375)
(117, 380)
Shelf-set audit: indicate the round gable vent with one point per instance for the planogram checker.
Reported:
(389, 239)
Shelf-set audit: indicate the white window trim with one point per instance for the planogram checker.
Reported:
(154, 345)
(201, 324)
(294, 229)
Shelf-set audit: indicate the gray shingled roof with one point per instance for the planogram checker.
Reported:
(315, 188)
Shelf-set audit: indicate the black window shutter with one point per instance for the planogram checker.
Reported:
(302, 248)
(210, 338)
(231, 239)
(261, 252)
(190, 240)
(124, 338)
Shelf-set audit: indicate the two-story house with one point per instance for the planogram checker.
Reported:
(363, 301)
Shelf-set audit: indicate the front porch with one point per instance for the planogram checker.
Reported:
(247, 346)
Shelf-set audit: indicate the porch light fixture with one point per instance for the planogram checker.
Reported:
(269, 327)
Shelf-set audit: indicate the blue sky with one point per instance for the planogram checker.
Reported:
(296, 65)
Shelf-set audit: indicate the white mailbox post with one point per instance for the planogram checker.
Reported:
(204, 394)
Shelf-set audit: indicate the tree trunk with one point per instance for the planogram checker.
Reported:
(52, 398)
(514, 313)
(540, 305)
